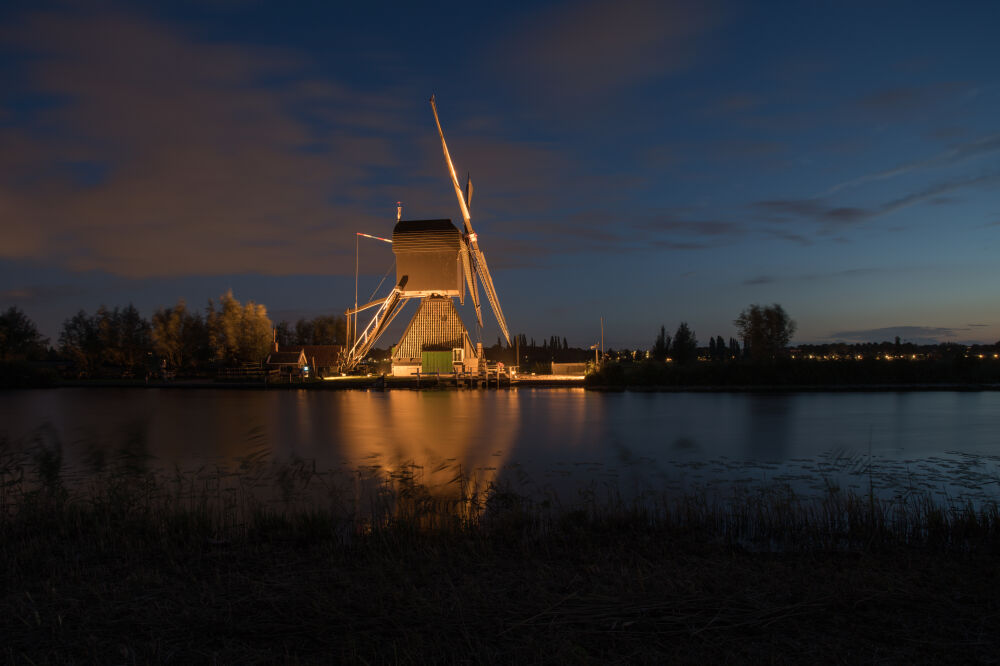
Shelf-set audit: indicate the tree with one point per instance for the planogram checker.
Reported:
(19, 338)
(238, 333)
(180, 336)
(766, 331)
(132, 334)
(323, 330)
(80, 341)
(329, 330)
(283, 334)
(662, 345)
(685, 344)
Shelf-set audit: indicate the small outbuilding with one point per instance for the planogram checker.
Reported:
(288, 363)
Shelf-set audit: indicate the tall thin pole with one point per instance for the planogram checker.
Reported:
(602, 337)
(354, 326)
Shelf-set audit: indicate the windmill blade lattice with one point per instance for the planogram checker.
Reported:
(478, 260)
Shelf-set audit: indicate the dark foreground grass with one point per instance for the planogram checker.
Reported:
(135, 571)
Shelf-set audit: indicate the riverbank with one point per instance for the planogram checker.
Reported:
(332, 383)
(542, 382)
(137, 571)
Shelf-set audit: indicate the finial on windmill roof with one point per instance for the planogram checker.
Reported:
(399, 210)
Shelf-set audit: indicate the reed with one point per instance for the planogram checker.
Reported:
(287, 563)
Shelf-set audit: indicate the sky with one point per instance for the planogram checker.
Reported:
(644, 163)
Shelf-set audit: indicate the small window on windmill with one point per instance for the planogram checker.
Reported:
(458, 355)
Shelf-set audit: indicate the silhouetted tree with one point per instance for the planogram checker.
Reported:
(662, 345)
(128, 337)
(80, 342)
(283, 334)
(19, 338)
(766, 331)
(685, 344)
(322, 330)
(720, 348)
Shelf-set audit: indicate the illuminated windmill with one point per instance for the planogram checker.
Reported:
(434, 263)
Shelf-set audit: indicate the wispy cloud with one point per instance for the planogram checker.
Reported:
(915, 334)
(983, 145)
(811, 277)
(39, 294)
(832, 216)
(574, 50)
(208, 162)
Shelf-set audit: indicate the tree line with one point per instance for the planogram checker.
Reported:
(763, 335)
(119, 341)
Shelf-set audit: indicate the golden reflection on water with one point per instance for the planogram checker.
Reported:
(456, 443)
(451, 443)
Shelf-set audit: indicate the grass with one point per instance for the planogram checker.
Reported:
(285, 564)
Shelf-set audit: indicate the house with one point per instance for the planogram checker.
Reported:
(321, 359)
(288, 363)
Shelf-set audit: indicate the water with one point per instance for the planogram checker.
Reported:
(546, 441)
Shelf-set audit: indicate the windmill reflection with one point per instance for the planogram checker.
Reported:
(442, 451)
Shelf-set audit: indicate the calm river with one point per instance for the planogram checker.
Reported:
(545, 440)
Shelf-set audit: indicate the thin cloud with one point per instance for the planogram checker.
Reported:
(710, 228)
(902, 99)
(209, 167)
(833, 216)
(984, 145)
(915, 334)
(598, 49)
(811, 277)
(39, 294)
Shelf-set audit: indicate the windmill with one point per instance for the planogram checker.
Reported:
(435, 263)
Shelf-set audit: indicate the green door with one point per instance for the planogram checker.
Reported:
(435, 361)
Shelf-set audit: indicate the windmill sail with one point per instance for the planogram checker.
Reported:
(478, 260)
(470, 280)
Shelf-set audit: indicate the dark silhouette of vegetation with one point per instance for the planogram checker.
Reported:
(766, 331)
(661, 347)
(118, 338)
(19, 337)
(22, 351)
(755, 577)
(684, 349)
(765, 360)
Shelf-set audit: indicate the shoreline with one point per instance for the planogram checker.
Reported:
(406, 383)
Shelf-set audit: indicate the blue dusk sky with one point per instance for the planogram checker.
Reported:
(644, 162)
